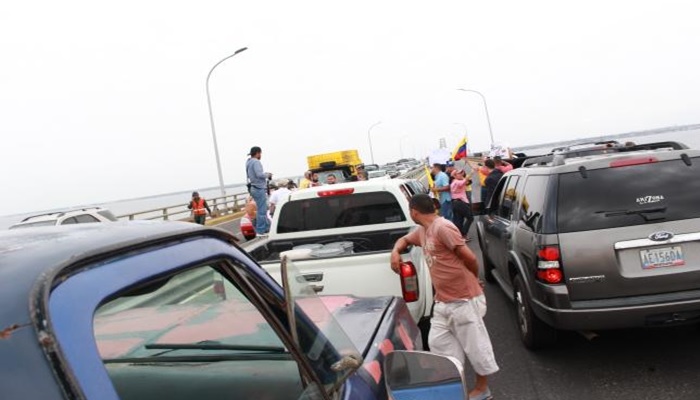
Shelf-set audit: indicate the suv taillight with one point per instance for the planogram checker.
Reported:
(549, 265)
(409, 281)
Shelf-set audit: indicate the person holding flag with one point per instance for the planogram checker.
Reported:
(460, 151)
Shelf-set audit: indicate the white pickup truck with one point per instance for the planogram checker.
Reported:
(340, 237)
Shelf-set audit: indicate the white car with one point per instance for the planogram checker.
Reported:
(73, 216)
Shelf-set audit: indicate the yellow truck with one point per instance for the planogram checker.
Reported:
(345, 165)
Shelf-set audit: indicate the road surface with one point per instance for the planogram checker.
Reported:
(626, 364)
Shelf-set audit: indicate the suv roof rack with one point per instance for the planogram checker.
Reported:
(59, 214)
(599, 144)
(560, 154)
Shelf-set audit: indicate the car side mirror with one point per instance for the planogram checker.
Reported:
(424, 375)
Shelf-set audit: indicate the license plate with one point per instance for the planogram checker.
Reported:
(662, 257)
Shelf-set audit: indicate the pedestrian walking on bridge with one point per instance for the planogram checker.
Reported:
(199, 208)
(457, 326)
(257, 186)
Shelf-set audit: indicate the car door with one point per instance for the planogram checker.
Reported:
(175, 323)
(498, 226)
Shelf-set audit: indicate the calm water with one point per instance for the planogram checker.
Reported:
(690, 137)
(123, 207)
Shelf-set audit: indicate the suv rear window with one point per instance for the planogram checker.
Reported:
(339, 211)
(626, 196)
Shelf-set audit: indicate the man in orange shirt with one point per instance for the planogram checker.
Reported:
(199, 208)
(457, 326)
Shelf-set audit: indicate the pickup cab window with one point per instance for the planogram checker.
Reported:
(339, 211)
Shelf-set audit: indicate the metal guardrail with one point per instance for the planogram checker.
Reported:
(222, 205)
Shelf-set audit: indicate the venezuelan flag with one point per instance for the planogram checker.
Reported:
(460, 151)
(431, 184)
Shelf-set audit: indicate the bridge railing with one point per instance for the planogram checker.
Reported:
(222, 205)
(219, 206)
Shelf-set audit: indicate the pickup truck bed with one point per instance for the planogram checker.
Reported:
(365, 242)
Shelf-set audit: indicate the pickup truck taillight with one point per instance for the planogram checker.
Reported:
(549, 265)
(409, 281)
(335, 192)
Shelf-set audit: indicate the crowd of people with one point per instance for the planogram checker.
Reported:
(457, 326)
(452, 189)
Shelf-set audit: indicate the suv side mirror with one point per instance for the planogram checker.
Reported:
(424, 375)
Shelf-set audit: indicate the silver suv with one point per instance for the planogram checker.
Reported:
(602, 237)
(74, 216)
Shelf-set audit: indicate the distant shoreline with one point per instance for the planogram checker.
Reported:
(648, 132)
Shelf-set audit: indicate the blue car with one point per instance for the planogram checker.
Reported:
(178, 311)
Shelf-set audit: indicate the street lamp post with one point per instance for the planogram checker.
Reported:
(486, 108)
(211, 121)
(369, 138)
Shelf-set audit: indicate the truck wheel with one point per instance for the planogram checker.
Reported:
(534, 332)
(488, 267)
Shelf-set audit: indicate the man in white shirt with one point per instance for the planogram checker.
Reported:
(281, 195)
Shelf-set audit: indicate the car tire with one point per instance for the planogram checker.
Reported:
(488, 267)
(534, 333)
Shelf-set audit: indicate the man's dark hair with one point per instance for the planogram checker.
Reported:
(254, 151)
(489, 163)
(422, 203)
(441, 166)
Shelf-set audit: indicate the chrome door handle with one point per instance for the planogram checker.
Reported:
(313, 277)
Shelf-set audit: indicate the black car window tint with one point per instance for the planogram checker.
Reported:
(508, 198)
(532, 202)
(630, 195)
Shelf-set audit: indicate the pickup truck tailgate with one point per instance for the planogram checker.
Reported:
(360, 275)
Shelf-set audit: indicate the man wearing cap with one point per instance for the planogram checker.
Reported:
(199, 208)
(257, 181)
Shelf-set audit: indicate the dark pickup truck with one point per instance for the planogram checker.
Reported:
(178, 311)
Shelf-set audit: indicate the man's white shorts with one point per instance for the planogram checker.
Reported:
(457, 329)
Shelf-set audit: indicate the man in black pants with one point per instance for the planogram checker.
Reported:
(461, 209)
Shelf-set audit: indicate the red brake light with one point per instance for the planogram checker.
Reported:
(548, 265)
(409, 281)
(552, 275)
(549, 253)
(633, 161)
(337, 192)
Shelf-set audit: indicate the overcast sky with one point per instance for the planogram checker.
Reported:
(103, 101)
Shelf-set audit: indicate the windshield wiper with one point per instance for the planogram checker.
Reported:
(213, 345)
(202, 358)
(641, 212)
